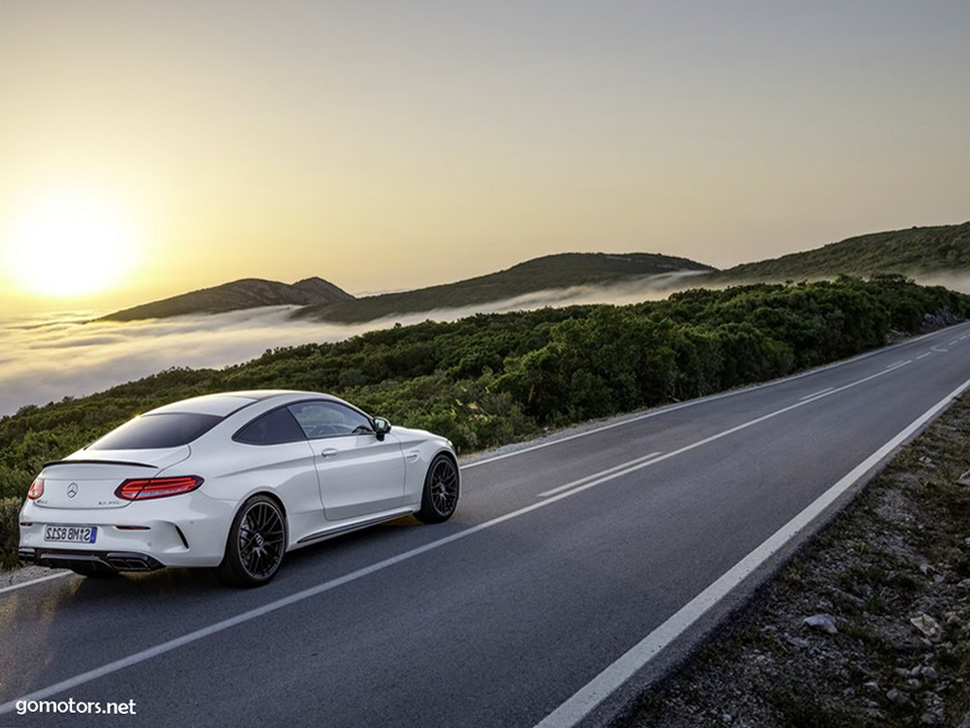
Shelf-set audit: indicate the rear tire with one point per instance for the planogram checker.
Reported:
(256, 543)
(441, 490)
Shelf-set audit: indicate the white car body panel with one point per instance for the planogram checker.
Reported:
(359, 475)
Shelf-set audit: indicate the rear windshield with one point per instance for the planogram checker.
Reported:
(151, 432)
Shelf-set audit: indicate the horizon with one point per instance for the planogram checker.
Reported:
(157, 149)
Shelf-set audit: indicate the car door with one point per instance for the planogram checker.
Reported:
(359, 474)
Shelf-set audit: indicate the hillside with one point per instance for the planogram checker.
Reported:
(324, 300)
(918, 250)
(245, 293)
(550, 272)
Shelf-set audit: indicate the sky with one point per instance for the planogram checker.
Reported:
(151, 148)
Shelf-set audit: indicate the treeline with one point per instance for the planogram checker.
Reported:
(491, 379)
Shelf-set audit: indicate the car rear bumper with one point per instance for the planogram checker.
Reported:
(66, 558)
(188, 531)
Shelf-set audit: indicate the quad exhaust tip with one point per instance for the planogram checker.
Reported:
(116, 560)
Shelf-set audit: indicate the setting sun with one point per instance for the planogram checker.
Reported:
(69, 244)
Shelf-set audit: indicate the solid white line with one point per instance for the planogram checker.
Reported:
(603, 685)
(38, 580)
(594, 476)
(923, 356)
(710, 398)
(821, 391)
(300, 596)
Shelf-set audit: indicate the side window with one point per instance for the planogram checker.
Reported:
(329, 419)
(273, 428)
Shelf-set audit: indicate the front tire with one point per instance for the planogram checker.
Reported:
(441, 490)
(256, 543)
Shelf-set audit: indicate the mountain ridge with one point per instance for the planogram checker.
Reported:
(235, 295)
(913, 251)
(318, 298)
(910, 251)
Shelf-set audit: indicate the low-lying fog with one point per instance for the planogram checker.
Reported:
(44, 359)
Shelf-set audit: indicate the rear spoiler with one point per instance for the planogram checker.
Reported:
(98, 462)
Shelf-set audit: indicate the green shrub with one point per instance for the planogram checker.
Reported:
(9, 531)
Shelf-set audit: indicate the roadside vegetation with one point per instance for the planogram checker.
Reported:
(492, 379)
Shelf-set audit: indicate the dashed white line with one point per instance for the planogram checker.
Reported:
(701, 400)
(594, 476)
(923, 356)
(898, 365)
(583, 702)
(815, 394)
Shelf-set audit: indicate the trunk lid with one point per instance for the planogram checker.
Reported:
(88, 479)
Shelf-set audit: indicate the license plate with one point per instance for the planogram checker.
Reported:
(71, 534)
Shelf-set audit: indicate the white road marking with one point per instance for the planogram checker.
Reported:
(300, 596)
(693, 402)
(939, 349)
(898, 364)
(38, 580)
(952, 343)
(621, 466)
(923, 356)
(724, 433)
(821, 391)
(583, 702)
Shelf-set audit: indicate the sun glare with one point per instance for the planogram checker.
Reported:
(69, 244)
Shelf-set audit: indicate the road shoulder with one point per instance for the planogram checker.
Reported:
(868, 625)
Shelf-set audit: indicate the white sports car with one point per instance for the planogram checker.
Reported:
(232, 481)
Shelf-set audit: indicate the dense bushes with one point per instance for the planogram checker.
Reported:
(9, 531)
(490, 379)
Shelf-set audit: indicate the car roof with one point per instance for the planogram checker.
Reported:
(224, 404)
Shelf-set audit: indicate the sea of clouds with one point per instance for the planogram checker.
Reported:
(46, 358)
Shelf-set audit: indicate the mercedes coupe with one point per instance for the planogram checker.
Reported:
(232, 481)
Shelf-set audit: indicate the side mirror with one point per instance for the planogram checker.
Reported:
(381, 427)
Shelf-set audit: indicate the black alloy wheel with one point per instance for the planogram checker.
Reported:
(441, 491)
(256, 545)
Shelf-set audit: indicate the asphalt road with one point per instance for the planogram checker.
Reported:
(570, 566)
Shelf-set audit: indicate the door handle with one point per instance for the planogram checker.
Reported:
(330, 452)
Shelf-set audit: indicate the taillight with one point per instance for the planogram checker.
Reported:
(147, 488)
(36, 489)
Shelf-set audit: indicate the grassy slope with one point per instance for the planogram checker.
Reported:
(945, 248)
(540, 274)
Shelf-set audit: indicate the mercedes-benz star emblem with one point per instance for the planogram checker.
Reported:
(72, 490)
